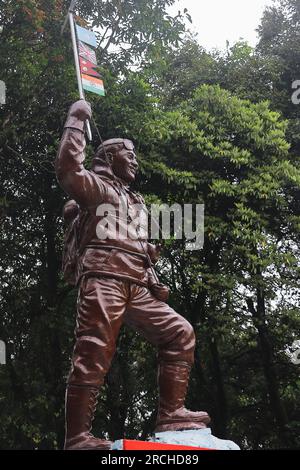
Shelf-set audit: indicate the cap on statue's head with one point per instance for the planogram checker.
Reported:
(109, 146)
(114, 145)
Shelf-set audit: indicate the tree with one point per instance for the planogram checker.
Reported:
(232, 155)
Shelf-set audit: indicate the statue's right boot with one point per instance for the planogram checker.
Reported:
(172, 415)
(81, 403)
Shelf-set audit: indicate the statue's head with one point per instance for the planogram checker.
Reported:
(119, 155)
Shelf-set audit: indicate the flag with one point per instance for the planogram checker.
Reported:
(87, 53)
(87, 36)
(93, 84)
(88, 68)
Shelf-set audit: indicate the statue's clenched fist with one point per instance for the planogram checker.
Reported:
(81, 109)
(160, 292)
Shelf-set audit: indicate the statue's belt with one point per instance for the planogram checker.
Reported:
(110, 247)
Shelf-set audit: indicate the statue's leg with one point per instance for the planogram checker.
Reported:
(175, 339)
(100, 309)
(172, 415)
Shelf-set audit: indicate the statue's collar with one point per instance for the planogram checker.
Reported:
(106, 172)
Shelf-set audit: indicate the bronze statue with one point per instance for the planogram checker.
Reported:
(116, 285)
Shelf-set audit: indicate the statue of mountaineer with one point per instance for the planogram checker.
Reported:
(116, 285)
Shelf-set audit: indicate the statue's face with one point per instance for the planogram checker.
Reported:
(125, 165)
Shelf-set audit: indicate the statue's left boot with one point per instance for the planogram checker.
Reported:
(81, 404)
(173, 380)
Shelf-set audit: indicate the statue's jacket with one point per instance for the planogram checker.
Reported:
(112, 254)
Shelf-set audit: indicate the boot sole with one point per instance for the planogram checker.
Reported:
(104, 446)
(179, 426)
(90, 448)
(204, 419)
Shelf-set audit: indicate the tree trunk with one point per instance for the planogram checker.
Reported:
(268, 362)
(221, 420)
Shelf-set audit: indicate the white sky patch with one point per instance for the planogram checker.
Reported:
(217, 21)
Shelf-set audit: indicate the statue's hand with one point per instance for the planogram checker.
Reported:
(81, 109)
(154, 252)
(160, 292)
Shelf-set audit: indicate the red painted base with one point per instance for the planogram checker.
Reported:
(143, 445)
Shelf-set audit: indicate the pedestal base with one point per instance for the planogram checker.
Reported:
(196, 438)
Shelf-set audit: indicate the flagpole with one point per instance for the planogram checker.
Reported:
(77, 66)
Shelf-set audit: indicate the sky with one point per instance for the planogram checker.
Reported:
(216, 21)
